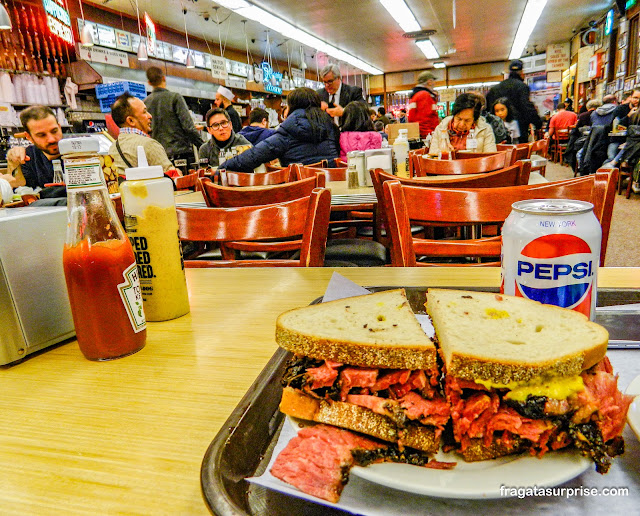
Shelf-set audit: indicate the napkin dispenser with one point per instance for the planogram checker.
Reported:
(34, 307)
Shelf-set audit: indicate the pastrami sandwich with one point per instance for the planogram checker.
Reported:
(522, 376)
(364, 364)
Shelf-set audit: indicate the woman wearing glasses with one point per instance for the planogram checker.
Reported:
(308, 135)
(223, 138)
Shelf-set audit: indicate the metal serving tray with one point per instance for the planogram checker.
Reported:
(245, 442)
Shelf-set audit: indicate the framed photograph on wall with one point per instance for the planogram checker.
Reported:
(622, 40)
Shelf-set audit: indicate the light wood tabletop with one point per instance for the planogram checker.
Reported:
(128, 436)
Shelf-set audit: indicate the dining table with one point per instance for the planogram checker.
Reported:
(128, 436)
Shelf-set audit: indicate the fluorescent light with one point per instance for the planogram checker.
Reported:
(468, 85)
(530, 16)
(439, 64)
(402, 14)
(426, 45)
(252, 12)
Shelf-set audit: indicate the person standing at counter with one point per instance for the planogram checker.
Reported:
(423, 104)
(336, 95)
(131, 116)
(224, 99)
(32, 166)
(172, 125)
(223, 137)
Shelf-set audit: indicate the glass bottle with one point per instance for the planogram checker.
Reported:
(98, 260)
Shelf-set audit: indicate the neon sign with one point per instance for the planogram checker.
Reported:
(608, 24)
(271, 79)
(58, 20)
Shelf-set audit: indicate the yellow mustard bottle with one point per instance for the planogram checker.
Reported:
(151, 224)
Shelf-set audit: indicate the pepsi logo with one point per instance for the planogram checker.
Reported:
(557, 269)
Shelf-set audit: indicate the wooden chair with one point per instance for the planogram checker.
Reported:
(414, 156)
(277, 177)
(514, 175)
(229, 196)
(539, 148)
(272, 168)
(297, 225)
(330, 174)
(467, 165)
(405, 204)
(188, 182)
(559, 144)
(515, 152)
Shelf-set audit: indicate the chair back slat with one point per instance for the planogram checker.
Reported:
(228, 196)
(188, 182)
(467, 165)
(231, 178)
(329, 174)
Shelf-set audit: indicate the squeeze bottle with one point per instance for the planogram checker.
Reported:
(152, 225)
(401, 154)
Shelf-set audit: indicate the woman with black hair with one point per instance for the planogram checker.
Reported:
(505, 111)
(464, 129)
(357, 132)
(308, 135)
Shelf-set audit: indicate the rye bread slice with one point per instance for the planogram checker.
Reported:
(375, 330)
(505, 338)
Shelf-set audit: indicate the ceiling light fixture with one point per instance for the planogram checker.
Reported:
(402, 14)
(143, 55)
(86, 34)
(439, 64)
(530, 17)
(252, 12)
(5, 20)
(428, 49)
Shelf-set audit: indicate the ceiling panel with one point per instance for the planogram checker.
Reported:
(484, 30)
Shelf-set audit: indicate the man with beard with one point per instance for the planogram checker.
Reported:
(32, 166)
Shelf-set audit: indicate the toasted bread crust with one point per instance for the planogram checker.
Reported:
(356, 353)
(358, 419)
(478, 451)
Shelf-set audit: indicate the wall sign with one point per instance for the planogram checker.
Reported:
(151, 35)
(123, 41)
(104, 55)
(558, 57)
(270, 79)
(219, 67)
(608, 24)
(58, 20)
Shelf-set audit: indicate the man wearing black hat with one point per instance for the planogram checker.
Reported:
(515, 89)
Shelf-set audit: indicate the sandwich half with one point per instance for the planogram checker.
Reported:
(364, 364)
(523, 376)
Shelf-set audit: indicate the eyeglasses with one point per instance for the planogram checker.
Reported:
(221, 125)
(330, 81)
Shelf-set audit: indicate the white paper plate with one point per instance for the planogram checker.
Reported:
(473, 480)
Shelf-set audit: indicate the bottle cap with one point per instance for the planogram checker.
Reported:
(143, 170)
(83, 144)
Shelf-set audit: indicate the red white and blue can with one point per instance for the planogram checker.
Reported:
(551, 253)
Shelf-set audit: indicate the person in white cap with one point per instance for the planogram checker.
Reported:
(224, 97)
(172, 124)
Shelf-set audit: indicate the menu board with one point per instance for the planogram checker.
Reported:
(207, 61)
(198, 58)
(106, 36)
(135, 42)
(165, 50)
(237, 68)
(179, 55)
(123, 40)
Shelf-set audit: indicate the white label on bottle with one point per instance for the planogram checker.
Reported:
(83, 172)
(131, 296)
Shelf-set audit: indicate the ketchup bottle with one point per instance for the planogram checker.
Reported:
(99, 264)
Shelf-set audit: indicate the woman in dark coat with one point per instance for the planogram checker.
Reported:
(308, 135)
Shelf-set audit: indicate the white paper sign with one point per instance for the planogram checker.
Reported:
(219, 67)
(104, 55)
(558, 57)
(236, 82)
(584, 54)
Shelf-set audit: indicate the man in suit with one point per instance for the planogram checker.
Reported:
(336, 95)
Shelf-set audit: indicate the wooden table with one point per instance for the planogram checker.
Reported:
(128, 436)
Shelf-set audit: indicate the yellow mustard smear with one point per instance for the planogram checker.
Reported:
(164, 291)
(138, 189)
(557, 388)
(492, 313)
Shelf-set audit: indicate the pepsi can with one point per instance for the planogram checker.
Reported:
(551, 252)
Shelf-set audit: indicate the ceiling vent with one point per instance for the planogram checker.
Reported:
(419, 34)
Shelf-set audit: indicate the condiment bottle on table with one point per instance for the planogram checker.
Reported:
(152, 225)
(99, 265)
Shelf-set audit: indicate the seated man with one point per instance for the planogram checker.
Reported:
(222, 137)
(32, 166)
(563, 119)
(258, 128)
(131, 116)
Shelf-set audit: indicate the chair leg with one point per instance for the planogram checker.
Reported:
(629, 186)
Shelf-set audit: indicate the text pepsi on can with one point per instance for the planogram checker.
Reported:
(551, 252)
